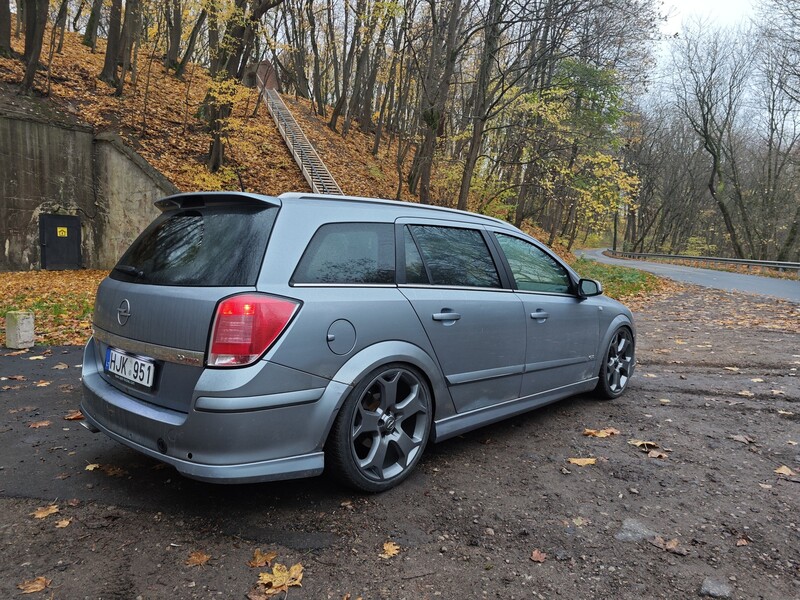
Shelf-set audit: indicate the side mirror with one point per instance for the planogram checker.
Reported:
(589, 287)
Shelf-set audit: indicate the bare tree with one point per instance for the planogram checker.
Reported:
(5, 28)
(35, 21)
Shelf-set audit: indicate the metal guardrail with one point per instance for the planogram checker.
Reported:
(770, 264)
(311, 165)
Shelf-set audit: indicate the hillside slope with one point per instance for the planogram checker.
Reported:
(159, 117)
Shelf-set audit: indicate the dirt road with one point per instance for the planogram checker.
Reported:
(701, 510)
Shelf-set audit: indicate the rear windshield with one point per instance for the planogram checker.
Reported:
(200, 247)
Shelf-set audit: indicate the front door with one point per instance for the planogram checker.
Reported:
(563, 330)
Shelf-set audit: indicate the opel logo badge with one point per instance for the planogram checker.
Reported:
(124, 312)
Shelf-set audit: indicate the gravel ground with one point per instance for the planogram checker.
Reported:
(497, 513)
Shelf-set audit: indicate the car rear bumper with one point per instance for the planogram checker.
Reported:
(280, 439)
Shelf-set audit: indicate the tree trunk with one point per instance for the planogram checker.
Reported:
(109, 72)
(78, 14)
(441, 63)
(90, 35)
(173, 13)
(61, 24)
(130, 32)
(187, 56)
(36, 19)
(481, 98)
(5, 28)
(317, 75)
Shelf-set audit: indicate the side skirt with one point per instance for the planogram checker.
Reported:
(461, 423)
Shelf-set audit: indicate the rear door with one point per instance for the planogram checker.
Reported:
(475, 325)
(562, 329)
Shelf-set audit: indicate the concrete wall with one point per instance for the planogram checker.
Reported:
(61, 167)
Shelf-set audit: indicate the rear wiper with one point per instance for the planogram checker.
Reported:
(129, 270)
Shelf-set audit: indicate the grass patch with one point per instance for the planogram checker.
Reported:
(61, 302)
(618, 282)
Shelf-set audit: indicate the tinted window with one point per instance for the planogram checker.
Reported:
(349, 253)
(415, 269)
(533, 269)
(200, 247)
(457, 257)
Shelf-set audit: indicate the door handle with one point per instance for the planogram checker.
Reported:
(446, 316)
(539, 315)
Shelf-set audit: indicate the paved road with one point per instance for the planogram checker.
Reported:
(785, 289)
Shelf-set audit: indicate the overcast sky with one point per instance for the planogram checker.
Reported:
(720, 12)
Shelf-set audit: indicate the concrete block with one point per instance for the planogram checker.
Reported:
(19, 329)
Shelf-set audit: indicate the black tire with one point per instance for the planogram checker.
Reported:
(381, 429)
(617, 366)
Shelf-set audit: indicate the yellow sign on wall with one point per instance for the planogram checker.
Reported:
(61, 231)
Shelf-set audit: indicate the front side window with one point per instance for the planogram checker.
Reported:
(349, 253)
(534, 270)
(454, 256)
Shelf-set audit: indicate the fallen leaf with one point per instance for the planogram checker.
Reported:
(42, 383)
(778, 393)
(651, 376)
(657, 454)
(15, 377)
(390, 549)
(791, 443)
(669, 546)
(766, 486)
(785, 412)
(17, 353)
(734, 369)
(92, 467)
(743, 439)
(262, 559)
(61, 366)
(63, 523)
(582, 462)
(742, 542)
(74, 415)
(197, 559)
(22, 409)
(580, 521)
(44, 511)
(73, 502)
(643, 445)
(36, 358)
(746, 393)
(281, 579)
(757, 380)
(39, 424)
(538, 556)
(665, 400)
(113, 471)
(34, 585)
(601, 433)
(785, 471)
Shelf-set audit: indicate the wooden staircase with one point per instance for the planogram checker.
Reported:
(314, 170)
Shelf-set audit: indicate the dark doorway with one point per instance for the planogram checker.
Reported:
(60, 240)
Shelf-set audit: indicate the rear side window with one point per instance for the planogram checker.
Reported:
(206, 247)
(354, 253)
(455, 257)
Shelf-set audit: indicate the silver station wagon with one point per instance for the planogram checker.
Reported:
(248, 338)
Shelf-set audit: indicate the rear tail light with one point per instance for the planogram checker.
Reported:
(245, 326)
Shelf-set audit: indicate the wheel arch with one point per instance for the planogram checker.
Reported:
(384, 353)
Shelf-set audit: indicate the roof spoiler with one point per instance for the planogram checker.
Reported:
(202, 199)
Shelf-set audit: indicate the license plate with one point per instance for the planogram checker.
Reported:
(131, 369)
